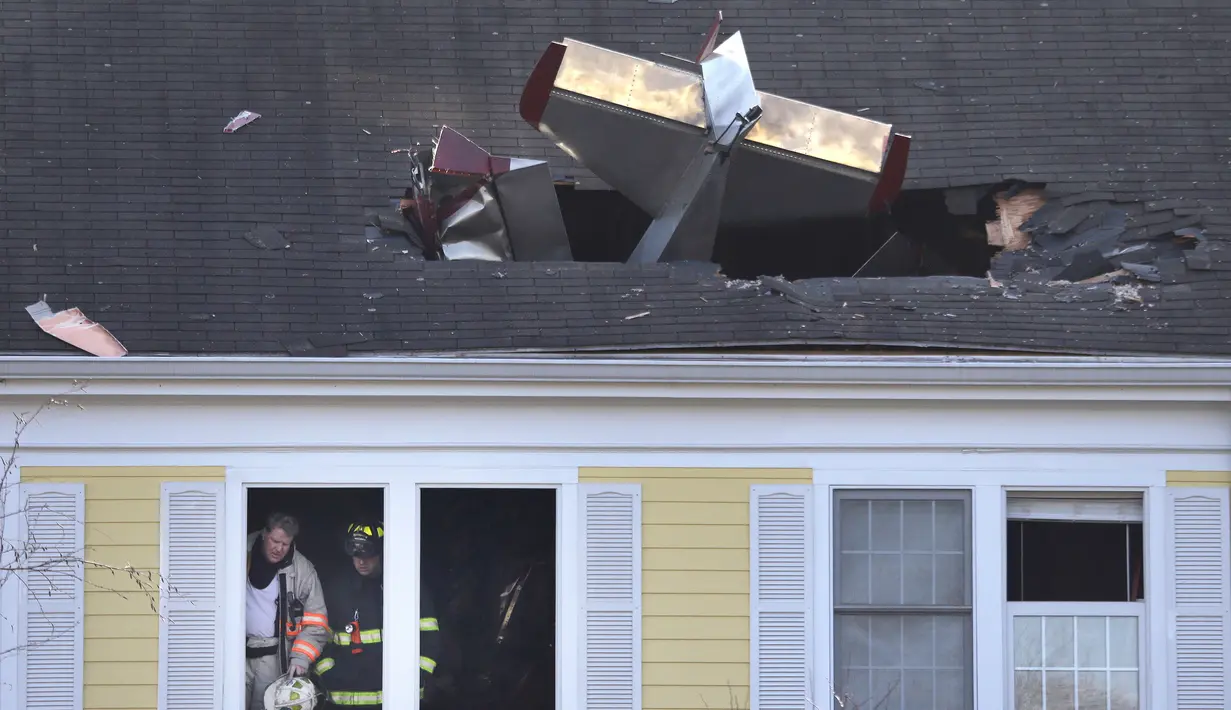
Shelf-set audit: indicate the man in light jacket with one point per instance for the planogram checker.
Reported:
(275, 568)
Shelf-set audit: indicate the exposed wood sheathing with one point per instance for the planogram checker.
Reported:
(695, 585)
(1013, 213)
(122, 506)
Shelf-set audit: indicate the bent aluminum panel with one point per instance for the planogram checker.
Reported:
(765, 188)
(532, 218)
(476, 230)
(642, 159)
(728, 88)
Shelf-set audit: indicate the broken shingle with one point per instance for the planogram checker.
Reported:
(266, 237)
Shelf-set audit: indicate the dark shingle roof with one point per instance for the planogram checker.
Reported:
(113, 164)
(373, 303)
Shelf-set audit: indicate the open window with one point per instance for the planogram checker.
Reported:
(315, 578)
(488, 570)
(1076, 590)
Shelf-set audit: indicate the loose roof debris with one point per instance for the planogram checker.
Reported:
(241, 119)
(74, 328)
(266, 237)
(1092, 237)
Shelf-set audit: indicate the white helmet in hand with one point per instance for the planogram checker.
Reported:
(289, 693)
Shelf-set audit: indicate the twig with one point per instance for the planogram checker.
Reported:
(29, 560)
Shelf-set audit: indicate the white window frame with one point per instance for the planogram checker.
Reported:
(401, 486)
(1097, 609)
(989, 488)
(1136, 609)
(907, 493)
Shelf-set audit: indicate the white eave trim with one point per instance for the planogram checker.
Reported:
(707, 377)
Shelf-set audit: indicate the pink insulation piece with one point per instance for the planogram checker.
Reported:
(74, 328)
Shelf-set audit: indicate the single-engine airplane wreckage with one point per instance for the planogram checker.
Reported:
(692, 143)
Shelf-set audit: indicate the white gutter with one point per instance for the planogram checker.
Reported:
(706, 376)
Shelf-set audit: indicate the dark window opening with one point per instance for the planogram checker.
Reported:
(317, 523)
(490, 557)
(1075, 562)
(323, 515)
(920, 236)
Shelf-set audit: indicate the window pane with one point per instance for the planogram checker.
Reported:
(1124, 690)
(885, 641)
(951, 525)
(887, 689)
(917, 640)
(852, 637)
(1028, 690)
(854, 578)
(1058, 642)
(1091, 690)
(917, 525)
(853, 526)
(1028, 642)
(886, 579)
(950, 579)
(912, 661)
(917, 684)
(917, 579)
(886, 525)
(951, 646)
(1060, 689)
(1123, 643)
(1074, 653)
(951, 691)
(1091, 642)
(908, 552)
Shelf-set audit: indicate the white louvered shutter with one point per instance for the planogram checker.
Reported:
(190, 638)
(780, 556)
(611, 602)
(54, 603)
(1200, 594)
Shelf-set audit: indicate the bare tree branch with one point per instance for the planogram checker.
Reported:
(36, 565)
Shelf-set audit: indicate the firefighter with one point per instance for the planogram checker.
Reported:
(352, 665)
(285, 618)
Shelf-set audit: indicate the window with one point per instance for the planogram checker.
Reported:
(1075, 591)
(902, 600)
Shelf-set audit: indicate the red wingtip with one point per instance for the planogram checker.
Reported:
(711, 38)
(538, 87)
(893, 174)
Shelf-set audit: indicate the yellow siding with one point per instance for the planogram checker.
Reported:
(121, 621)
(1199, 478)
(694, 537)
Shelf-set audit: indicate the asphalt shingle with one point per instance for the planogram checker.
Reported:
(120, 194)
